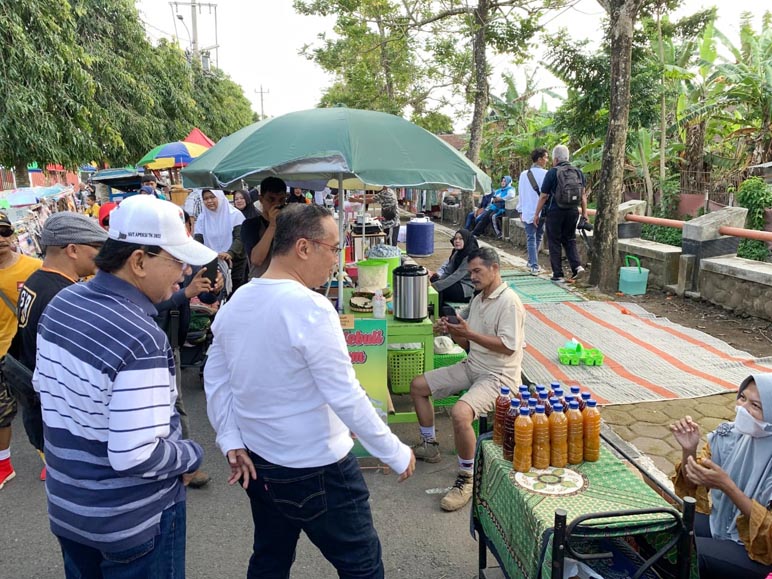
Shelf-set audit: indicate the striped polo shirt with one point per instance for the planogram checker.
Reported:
(114, 452)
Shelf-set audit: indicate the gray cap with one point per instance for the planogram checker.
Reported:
(66, 227)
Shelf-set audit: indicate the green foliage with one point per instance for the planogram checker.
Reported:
(756, 196)
(45, 109)
(753, 249)
(661, 234)
(585, 113)
(434, 122)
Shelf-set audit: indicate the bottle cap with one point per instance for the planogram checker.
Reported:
(575, 390)
(532, 402)
(514, 403)
(504, 390)
(557, 407)
(524, 388)
(558, 392)
(592, 403)
(586, 396)
(525, 411)
(554, 385)
(569, 398)
(554, 400)
(543, 394)
(574, 405)
(539, 409)
(540, 387)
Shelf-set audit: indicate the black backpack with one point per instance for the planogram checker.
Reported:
(568, 193)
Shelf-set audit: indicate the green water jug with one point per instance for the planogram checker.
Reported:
(632, 280)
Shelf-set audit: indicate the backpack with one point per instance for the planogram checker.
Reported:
(568, 193)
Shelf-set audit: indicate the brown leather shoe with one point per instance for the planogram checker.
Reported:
(199, 479)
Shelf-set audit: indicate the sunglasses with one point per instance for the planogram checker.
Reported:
(6, 231)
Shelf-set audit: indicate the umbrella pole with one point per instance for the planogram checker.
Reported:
(342, 254)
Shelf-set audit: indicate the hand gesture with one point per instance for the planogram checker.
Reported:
(409, 470)
(706, 474)
(219, 282)
(273, 213)
(226, 257)
(242, 467)
(686, 433)
(198, 285)
(459, 330)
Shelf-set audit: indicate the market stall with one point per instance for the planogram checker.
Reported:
(613, 516)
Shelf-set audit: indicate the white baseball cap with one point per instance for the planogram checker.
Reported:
(147, 220)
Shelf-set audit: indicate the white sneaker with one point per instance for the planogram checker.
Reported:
(579, 274)
(536, 270)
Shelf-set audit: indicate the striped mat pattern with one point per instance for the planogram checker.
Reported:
(538, 290)
(646, 358)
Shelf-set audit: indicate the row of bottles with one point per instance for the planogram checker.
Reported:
(533, 436)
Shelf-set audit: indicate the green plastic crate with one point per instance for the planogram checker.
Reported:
(403, 366)
(442, 360)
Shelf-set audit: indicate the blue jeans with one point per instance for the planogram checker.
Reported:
(163, 557)
(329, 503)
(533, 237)
(469, 220)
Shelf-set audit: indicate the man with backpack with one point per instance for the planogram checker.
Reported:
(562, 193)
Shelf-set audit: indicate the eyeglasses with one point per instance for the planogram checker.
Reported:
(179, 262)
(336, 249)
(6, 231)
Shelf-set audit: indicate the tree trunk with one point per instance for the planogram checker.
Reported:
(22, 175)
(693, 175)
(647, 182)
(481, 16)
(609, 191)
(662, 121)
(385, 63)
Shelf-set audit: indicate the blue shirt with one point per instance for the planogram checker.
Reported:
(114, 452)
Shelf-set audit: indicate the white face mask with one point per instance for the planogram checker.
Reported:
(747, 424)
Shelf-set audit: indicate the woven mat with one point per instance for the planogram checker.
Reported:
(646, 358)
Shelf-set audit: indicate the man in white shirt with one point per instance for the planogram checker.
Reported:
(529, 187)
(286, 426)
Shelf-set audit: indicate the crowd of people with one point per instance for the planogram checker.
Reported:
(95, 367)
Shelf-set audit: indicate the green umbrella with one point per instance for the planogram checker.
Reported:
(366, 149)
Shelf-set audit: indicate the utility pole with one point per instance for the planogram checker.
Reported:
(195, 6)
(261, 92)
(194, 24)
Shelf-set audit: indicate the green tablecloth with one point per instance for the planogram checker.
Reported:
(518, 522)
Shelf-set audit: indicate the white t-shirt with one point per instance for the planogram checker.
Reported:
(528, 197)
(279, 381)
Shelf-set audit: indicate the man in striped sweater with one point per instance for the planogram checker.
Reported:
(117, 463)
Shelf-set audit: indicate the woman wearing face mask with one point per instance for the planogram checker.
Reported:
(452, 281)
(734, 536)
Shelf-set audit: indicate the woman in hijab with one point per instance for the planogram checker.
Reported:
(219, 227)
(734, 536)
(452, 281)
(496, 208)
(243, 202)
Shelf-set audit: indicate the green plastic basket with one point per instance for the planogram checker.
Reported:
(404, 365)
(442, 360)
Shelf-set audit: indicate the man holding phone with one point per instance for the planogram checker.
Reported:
(257, 232)
(492, 331)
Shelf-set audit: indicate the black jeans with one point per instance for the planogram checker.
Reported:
(724, 559)
(561, 230)
(329, 503)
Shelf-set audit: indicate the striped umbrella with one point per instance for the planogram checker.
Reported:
(176, 154)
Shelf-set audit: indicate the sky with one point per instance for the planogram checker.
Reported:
(259, 43)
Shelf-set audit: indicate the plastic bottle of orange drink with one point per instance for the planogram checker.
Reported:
(575, 433)
(541, 438)
(558, 437)
(591, 418)
(523, 441)
(502, 407)
(508, 443)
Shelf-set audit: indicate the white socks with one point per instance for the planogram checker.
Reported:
(427, 432)
(466, 466)
(4, 454)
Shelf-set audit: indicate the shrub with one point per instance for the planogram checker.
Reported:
(756, 196)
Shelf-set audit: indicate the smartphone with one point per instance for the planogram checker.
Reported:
(211, 271)
(451, 319)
